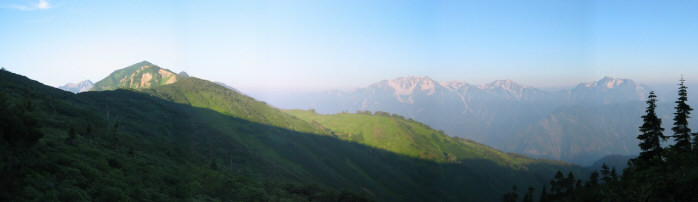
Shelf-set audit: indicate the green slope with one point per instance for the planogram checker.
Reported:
(212, 143)
(140, 75)
(407, 137)
(125, 146)
(205, 94)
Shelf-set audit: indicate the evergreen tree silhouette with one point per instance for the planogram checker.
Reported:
(605, 173)
(682, 134)
(652, 134)
(593, 179)
(544, 194)
(528, 197)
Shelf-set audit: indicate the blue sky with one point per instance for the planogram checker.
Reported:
(317, 45)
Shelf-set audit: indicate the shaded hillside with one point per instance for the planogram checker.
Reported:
(612, 161)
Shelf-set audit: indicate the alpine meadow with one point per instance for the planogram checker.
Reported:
(348, 100)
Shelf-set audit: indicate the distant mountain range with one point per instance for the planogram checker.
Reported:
(580, 125)
(78, 87)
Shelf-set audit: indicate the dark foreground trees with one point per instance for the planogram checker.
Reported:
(657, 174)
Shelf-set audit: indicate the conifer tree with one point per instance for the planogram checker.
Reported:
(593, 179)
(557, 184)
(652, 133)
(544, 194)
(605, 173)
(682, 134)
(569, 183)
(528, 197)
(614, 175)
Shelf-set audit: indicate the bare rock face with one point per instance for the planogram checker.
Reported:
(140, 75)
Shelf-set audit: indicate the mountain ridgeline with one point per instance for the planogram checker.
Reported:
(580, 125)
(182, 138)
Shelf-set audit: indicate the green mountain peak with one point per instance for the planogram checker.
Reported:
(140, 75)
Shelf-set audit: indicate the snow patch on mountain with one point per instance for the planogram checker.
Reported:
(82, 86)
(407, 85)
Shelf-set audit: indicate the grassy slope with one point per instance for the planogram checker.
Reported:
(410, 138)
(205, 94)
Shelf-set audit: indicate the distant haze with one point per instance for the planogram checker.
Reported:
(579, 125)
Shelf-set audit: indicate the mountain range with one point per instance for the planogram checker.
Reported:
(579, 125)
(161, 136)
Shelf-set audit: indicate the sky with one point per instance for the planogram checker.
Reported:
(305, 46)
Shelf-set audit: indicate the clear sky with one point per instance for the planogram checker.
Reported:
(317, 45)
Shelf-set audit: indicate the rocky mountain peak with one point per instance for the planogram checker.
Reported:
(503, 84)
(607, 83)
(79, 87)
(408, 85)
(454, 85)
(140, 75)
(608, 90)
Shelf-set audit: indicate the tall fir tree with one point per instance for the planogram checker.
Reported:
(682, 134)
(605, 173)
(593, 179)
(544, 194)
(528, 197)
(569, 183)
(652, 133)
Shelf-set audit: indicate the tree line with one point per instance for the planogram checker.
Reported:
(657, 174)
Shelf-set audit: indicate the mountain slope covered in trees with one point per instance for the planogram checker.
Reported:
(210, 143)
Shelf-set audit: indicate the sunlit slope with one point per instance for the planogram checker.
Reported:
(209, 95)
(140, 75)
(397, 134)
